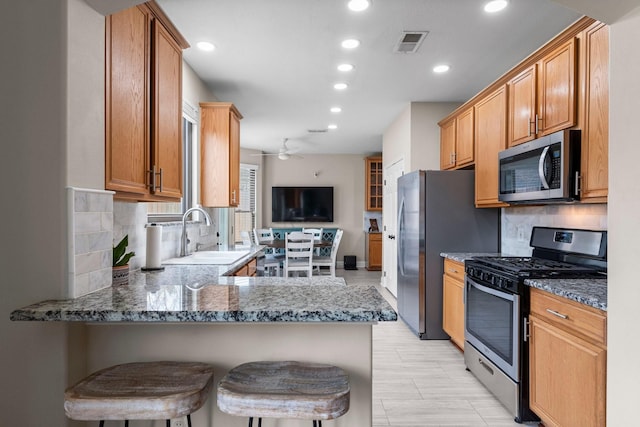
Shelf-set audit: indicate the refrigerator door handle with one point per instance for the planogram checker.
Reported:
(401, 237)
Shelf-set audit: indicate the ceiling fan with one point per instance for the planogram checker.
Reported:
(284, 153)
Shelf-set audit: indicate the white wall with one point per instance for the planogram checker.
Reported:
(345, 172)
(425, 133)
(33, 168)
(623, 370)
(396, 139)
(85, 100)
(415, 136)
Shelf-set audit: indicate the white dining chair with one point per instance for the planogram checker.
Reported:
(271, 260)
(317, 236)
(298, 253)
(328, 261)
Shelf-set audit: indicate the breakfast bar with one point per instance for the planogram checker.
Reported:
(194, 313)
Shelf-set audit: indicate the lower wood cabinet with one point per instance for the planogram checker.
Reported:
(453, 301)
(568, 359)
(248, 269)
(374, 251)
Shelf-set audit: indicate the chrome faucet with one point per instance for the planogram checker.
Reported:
(184, 241)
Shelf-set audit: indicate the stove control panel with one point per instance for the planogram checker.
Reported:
(486, 276)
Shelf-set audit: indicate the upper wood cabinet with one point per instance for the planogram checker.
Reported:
(219, 154)
(373, 178)
(457, 141)
(447, 144)
(594, 113)
(491, 138)
(542, 98)
(143, 105)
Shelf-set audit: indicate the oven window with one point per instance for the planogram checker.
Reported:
(490, 319)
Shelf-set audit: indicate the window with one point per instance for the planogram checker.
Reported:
(245, 213)
(162, 211)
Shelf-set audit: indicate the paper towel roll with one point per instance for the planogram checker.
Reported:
(154, 241)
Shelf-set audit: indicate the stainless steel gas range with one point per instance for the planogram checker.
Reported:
(497, 307)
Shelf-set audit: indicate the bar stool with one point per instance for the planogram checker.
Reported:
(140, 391)
(307, 391)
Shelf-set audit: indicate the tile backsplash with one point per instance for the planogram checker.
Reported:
(90, 240)
(517, 222)
(131, 219)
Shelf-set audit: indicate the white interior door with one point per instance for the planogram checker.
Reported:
(389, 221)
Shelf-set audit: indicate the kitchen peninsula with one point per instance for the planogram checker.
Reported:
(194, 313)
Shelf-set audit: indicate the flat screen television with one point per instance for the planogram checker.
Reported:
(302, 204)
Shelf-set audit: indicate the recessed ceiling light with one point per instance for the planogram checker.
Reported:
(206, 46)
(441, 68)
(336, 109)
(340, 86)
(345, 67)
(359, 5)
(495, 6)
(350, 43)
(332, 126)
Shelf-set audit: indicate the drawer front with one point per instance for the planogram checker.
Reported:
(570, 315)
(454, 269)
(251, 267)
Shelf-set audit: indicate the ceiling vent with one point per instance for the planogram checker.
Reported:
(317, 130)
(410, 41)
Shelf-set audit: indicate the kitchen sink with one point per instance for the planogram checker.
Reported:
(209, 257)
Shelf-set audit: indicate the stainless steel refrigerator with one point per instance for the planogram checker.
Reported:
(436, 213)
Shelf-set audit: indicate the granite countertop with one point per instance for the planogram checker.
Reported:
(463, 256)
(591, 292)
(190, 293)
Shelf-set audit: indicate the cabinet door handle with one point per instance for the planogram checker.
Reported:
(453, 270)
(538, 127)
(577, 188)
(160, 173)
(555, 313)
(233, 196)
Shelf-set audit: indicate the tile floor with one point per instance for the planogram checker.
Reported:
(423, 383)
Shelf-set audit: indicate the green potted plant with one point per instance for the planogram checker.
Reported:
(121, 262)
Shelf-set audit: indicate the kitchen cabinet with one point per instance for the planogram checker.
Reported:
(453, 301)
(542, 97)
(248, 269)
(567, 363)
(491, 138)
(219, 154)
(457, 141)
(594, 113)
(374, 251)
(143, 111)
(373, 178)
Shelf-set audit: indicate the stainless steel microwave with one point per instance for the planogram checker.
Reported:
(545, 170)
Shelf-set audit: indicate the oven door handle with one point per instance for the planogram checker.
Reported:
(500, 294)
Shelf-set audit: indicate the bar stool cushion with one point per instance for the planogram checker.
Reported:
(285, 390)
(140, 391)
